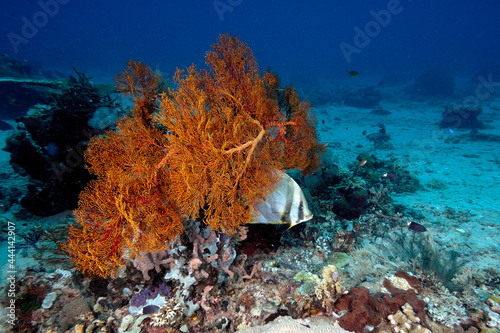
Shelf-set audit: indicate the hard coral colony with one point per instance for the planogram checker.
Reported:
(213, 150)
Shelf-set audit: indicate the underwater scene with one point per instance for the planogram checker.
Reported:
(250, 166)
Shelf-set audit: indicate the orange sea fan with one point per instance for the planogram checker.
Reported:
(222, 158)
(210, 149)
(127, 209)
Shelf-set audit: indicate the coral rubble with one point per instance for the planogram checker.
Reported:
(289, 325)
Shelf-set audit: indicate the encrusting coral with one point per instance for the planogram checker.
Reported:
(216, 147)
(406, 321)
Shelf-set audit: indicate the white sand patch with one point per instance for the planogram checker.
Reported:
(469, 170)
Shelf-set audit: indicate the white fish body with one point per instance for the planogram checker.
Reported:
(286, 205)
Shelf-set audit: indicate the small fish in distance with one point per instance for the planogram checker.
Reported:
(353, 73)
(416, 227)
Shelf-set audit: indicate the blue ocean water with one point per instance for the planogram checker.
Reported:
(405, 98)
(293, 37)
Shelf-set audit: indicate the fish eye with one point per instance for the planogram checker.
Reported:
(301, 206)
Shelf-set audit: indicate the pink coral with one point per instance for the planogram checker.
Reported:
(146, 261)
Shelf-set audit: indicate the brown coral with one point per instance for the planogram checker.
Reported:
(216, 147)
(364, 309)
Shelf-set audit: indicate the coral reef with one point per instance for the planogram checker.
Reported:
(176, 182)
(421, 249)
(445, 308)
(388, 173)
(369, 263)
(214, 150)
(329, 288)
(49, 146)
(169, 314)
(380, 139)
(363, 309)
(338, 259)
(147, 261)
(141, 298)
(365, 187)
(50, 301)
(17, 95)
(105, 118)
(19, 88)
(193, 293)
(72, 312)
(405, 320)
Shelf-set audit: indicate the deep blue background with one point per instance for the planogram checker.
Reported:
(298, 39)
